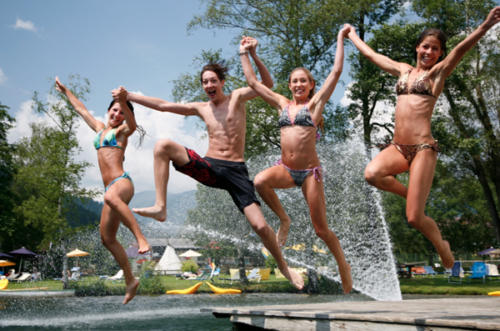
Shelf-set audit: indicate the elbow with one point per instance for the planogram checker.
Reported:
(268, 84)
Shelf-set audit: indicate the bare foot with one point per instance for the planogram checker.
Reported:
(295, 279)
(156, 212)
(143, 246)
(345, 276)
(130, 291)
(446, 255)
(283, 232)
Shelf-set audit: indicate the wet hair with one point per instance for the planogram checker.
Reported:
(436, 33)
(321, 123)
(219, 70)
(309, 76)
(140, 129)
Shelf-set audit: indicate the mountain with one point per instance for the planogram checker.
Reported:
(178, 204)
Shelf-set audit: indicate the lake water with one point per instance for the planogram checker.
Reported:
(143, 313)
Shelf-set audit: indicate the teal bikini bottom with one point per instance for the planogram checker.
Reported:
(125, 175)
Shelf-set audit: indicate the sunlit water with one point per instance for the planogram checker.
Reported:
(163, 312)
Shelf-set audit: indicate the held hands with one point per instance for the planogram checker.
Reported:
(120, 94)
(344, 32)
(350, 30)
(248, 44)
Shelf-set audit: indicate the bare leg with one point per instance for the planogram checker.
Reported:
(381, 170)
(265, 182)
(117, 198)
(165, 151)
(256, 218)
(421, 176)
(110, 221)
(315, 196)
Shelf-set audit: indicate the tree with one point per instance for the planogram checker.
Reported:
(8, 221)
(48, 177)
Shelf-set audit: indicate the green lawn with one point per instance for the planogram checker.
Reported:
(439, 285)
(159, 284)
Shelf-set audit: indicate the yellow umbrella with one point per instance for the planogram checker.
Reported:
(297, 247)
(318, 250)
(5, 263)
(77, 253)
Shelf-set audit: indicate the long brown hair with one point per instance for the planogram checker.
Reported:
(321, 123)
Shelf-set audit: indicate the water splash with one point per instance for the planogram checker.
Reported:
(354, 213)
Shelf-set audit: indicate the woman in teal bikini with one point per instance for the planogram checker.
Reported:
(110, 143)
(299, 164)
(413, 148)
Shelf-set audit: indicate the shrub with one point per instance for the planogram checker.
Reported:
(189, 266)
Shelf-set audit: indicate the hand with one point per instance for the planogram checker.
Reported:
(344, 32)
(493, 17)
(352, 30)
(245, 44)
(59, 86)
(120, 94)
(252, 42)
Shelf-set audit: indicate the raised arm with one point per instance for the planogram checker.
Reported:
(320, 98)
(79, 107)
(260, 88)
(163, 105)
(381, 61)
(120, 95)
(446, 67)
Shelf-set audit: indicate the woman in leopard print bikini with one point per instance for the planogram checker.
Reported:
(413, 148)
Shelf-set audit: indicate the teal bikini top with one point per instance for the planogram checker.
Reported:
(108, 141)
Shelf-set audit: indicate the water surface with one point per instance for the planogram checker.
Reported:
(143, 313)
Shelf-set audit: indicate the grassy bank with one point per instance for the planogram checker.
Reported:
(439, 285)
(156, 285)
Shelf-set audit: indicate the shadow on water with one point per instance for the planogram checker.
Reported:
(144, 312)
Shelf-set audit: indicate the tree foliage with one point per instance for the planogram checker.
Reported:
(48, 177)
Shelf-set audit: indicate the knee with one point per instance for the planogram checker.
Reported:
(414, 218)
(111, 199)
(259, 182)
(107, 241)
(371, 175)
(162, 146)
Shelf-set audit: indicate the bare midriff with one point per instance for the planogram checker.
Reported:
(298, 147)
(413, 119)
(110, 163)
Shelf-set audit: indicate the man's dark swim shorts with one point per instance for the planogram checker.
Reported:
(227, 175)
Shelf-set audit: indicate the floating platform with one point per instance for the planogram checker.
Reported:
(477, 313)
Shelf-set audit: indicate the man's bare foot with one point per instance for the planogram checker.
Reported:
(345, 276)
(283, 232)
(294, 278)
(143, 246)
(130, 291)
(156, 212)
(446, 255)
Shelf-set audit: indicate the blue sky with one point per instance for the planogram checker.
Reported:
(142, 45)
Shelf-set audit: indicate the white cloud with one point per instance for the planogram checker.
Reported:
(138, 160)
(3, 78)
(24, 25)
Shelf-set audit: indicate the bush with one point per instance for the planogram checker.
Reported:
(190, 266)
(151, 285)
